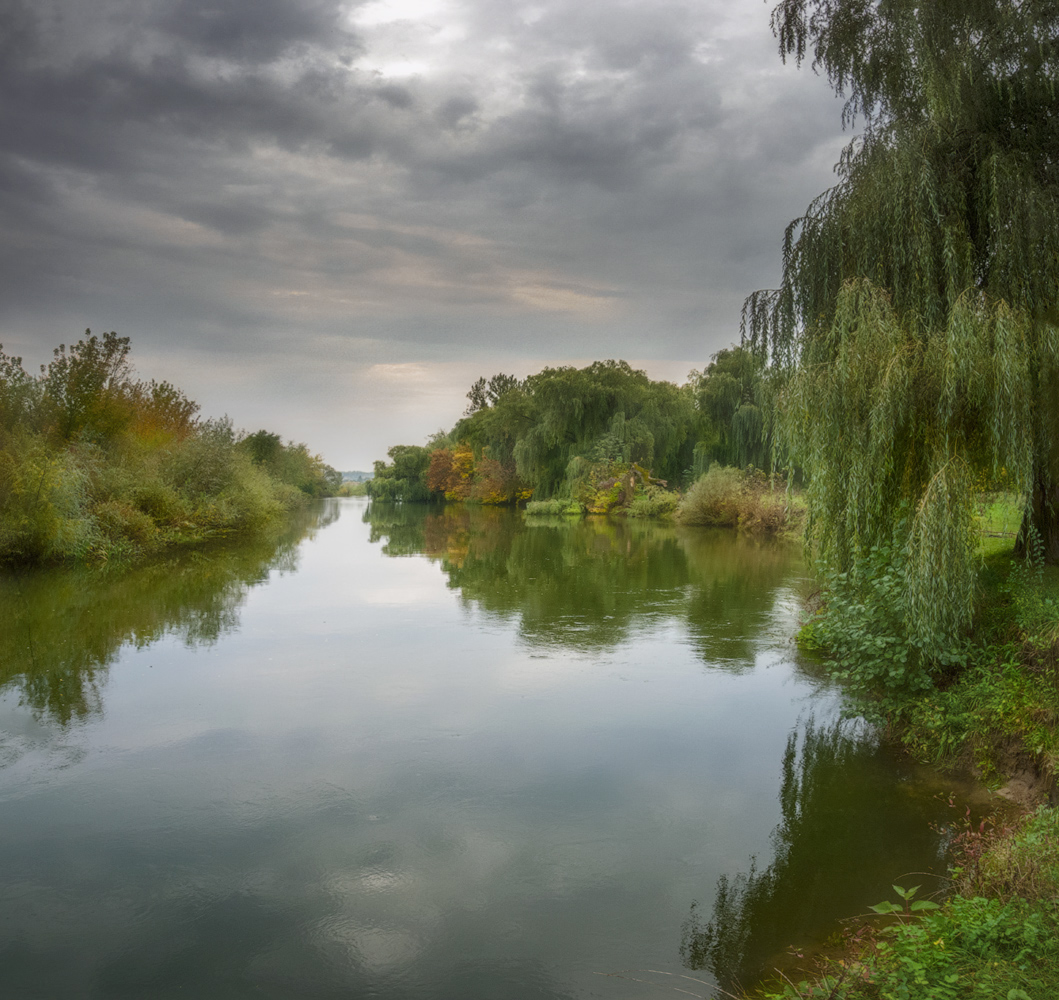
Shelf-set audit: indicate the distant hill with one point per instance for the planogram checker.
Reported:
(357, 477)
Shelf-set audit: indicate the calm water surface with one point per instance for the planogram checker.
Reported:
(421, 753)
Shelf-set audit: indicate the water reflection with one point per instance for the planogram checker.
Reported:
(848, 830)
(396, 778)
(593, 583)
(63, 628)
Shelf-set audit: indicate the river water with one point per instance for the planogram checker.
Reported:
(414, 752)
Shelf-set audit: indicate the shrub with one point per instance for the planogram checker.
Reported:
(715, 498)
(203, 465)
(728, 497)
(653, 501)
(161, 501)
(42, 502)
(557, 506)
(124, 529)
(1020, 859)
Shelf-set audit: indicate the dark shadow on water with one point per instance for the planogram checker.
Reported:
(64, 627)
(853, 822)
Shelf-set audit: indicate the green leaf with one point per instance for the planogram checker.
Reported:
(886, 907)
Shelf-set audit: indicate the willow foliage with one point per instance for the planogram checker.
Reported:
(916, 318)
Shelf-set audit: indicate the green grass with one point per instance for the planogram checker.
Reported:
(999, 519)
(558, 506)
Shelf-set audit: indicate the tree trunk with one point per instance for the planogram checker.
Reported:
(1041, 519)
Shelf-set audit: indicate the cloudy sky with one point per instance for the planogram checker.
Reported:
(328, 217)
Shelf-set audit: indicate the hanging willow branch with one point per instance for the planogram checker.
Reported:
(915, 328)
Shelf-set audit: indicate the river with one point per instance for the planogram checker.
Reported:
(433, 753)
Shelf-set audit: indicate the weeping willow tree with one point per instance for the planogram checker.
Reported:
(916, 317)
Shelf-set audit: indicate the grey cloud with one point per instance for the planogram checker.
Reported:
(255, 32)
(601, 179)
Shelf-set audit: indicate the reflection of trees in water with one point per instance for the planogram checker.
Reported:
(850, 826)
(583, 583)
(63, 628)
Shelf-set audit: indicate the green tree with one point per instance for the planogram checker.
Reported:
(87, 387)
(730, 395)
(19, 393)
(292, 463)
(405, 477)
(920, 295)
(487, 393)
(263, 447)
(606, 412)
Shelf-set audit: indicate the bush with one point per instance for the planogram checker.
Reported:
(556, 506)
(95, 465)
(43, 499)
(124, 530)
(161, 501)
(203, 465)
(1020, 859)
(654, 501)
(729, 498)
(715, 498)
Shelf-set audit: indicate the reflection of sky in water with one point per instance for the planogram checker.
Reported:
(372, 783)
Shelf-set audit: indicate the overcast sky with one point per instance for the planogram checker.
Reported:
(327, 218)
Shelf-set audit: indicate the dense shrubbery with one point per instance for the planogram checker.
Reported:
(727, 497)
(96, 465)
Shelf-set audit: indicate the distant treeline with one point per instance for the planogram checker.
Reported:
(96, 464)
(597, 438)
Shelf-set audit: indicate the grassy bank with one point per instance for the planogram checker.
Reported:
(991, 706)
(97, 466)
(991, 702)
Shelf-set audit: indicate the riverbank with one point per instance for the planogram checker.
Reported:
(995, 936)
(99, 467)
(995, 715)
(723, 497)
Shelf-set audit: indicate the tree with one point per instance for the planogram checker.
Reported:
(88, 386)
(729, 394)
(263, 447)
(19, 393)
(483, 393)
(405, 478)
(918, 309)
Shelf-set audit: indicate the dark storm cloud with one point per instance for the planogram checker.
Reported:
(321, 186)
(254, 32)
